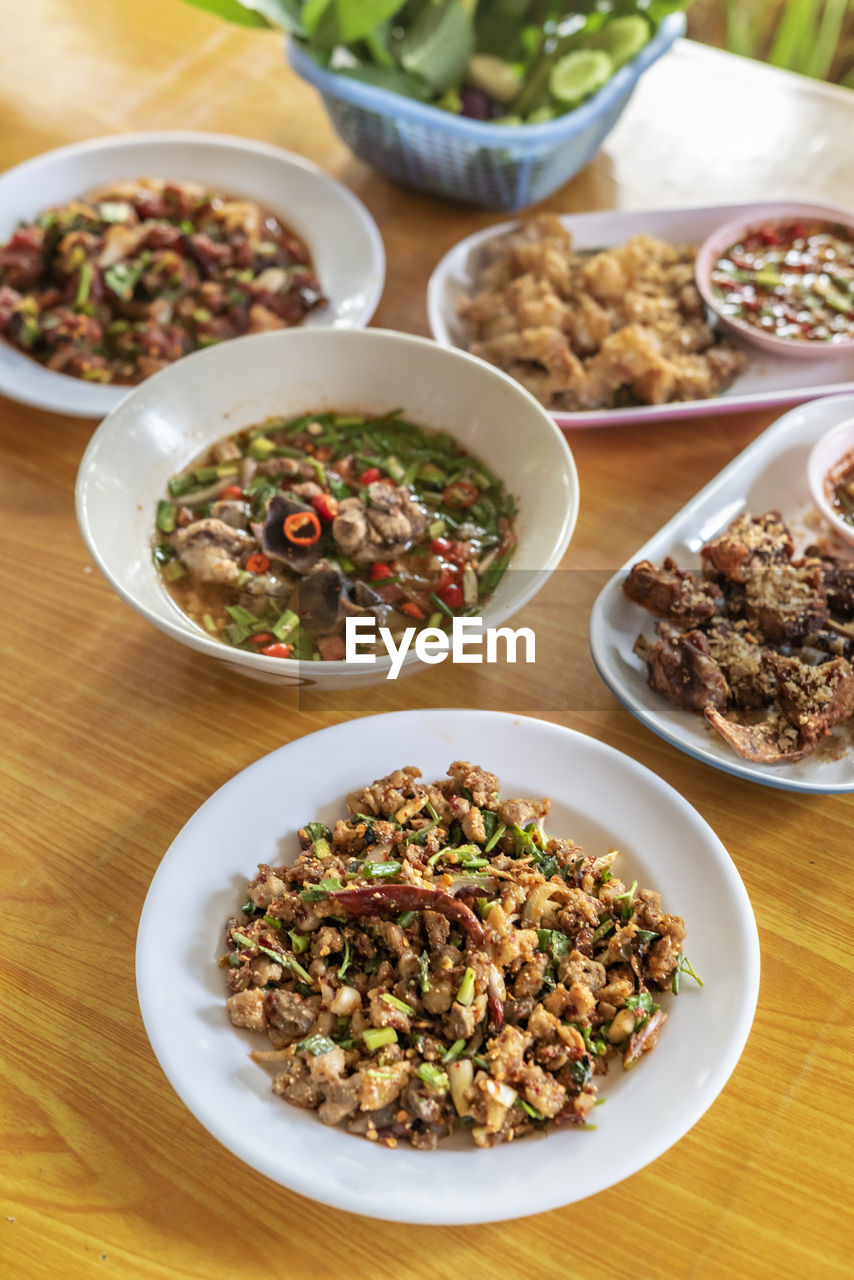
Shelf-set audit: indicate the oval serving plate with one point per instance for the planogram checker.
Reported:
(770, 474)
(345, 244)
(665, 844)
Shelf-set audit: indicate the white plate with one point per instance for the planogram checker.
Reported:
(602, 799)
(769, 380)
(346, 247)
(770, 474)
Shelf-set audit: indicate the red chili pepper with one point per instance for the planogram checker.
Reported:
(460, 493)
(326, 506)
(446, 578)
(414, 610)
(440, 546)
(452, 595)
(302, 528)
(278, 650)
(258, 562)
(369, 476)
(263, 637)
(374, 901)
(232, 491)
(380, 570)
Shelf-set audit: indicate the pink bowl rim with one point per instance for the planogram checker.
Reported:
(728, 233)
(829, 450)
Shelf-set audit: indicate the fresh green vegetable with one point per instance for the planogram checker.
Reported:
(316, 1045)
(388, 998)
(504, 60)
(465, 994)
(376, 1037)
(432, 1076)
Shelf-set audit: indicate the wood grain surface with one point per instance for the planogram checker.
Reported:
(114, 735)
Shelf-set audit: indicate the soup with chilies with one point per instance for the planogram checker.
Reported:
(285, 529)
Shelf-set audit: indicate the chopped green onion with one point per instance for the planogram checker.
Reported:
(465, 994)
(316, 1045)
(405, 918)
(388, 998)
(494, 838)
(240, 615)
(299, 941)
(380, 870)
(441, 606)
(166, 516)
(376, 1037)
(272, 921)
(432, 1076)
(84, 284)
(454, 1051)
(529, 1110)
(602, 930)
(282, 628)
(345, 964)
(437, 528)
(208, 623)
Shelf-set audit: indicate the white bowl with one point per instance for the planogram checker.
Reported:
(345, 245)
(829, 451)
(171, 418)
(601, 798)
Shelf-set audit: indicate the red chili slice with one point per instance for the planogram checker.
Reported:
(414, 610)
(380, 571)
(326, 506)
(302, 528)
(258, 562)
(460, 493)
(369, 476)
(278, 650)
(452, 595)
(232, 491)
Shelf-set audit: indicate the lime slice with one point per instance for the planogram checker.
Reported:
(575, 76)
(622, 39)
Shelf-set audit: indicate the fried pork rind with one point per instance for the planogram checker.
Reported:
(588, 331)
(774, 741)
(727, 659)
(436, 960)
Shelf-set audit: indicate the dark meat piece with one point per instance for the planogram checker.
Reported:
(813, 699)
(274, 542)
(681, 670)
(21, 259)
(775, 741)
(738, 654)
(838, 577)
(749, 543)
(671, 593)
(327, 597)
(783, 603)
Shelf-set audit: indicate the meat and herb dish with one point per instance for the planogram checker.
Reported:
(759, 641)
(790, 279)
(625, 326)
(285, 529)
(435, 961)
(118, 284)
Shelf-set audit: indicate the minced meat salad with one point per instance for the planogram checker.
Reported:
(437, 961)
(116, 285)
(284, 530)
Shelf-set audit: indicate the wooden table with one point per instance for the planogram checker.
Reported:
(115, 735)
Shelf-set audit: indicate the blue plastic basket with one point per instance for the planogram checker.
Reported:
(497, 166)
